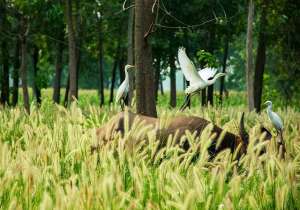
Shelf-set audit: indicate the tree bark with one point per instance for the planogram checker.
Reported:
(260, 61)
(73, 94)
(15, 90)
(4, 99)
(67, 91)
(23, 68)
(161, 86)
(249, 57)
(145, 90)
(5, 74)
(157, 76)
(113, 79)
(36, 88)
(222, 82)
(100, 59)
(130, 53)
(78, 34)
(203, 97)
(58, 70)
(172, 81)
(210, 89)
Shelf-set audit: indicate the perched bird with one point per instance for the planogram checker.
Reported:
(277, 123)
(122, 92)
(274, 118)
(198, 80)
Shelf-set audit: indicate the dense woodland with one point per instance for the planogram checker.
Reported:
(76, 44)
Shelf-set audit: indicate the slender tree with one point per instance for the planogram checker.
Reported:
(36, 87)
(73, 90)
(144, 21)
(260, 60)
(224, 64)
(4, 99)
(113, 80)
(24, 30)
(58, 68)
(15, 75)
(249, 57)
(172, 81)
(130, 53)
(100, 60)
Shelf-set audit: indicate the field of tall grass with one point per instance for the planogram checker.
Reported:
(45, 163)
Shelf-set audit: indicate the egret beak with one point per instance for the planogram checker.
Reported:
(130, 66)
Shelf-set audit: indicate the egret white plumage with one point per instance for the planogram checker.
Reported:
(123, 90)
(278, 124)
(198, 80)
(274, 117)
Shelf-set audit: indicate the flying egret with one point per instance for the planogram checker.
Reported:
(122, 92)
(198, 80)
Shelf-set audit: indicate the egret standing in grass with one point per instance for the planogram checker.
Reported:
(274, 118)
(198, 80)
(123, 90)
(277, 123)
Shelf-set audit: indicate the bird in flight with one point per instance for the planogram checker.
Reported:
(123, 90)
(198, 79)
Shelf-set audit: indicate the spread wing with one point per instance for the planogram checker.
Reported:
(207, 73)
(188, 68)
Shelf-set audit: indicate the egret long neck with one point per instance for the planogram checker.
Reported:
(212, 81)
(126, 75)
(269, 108)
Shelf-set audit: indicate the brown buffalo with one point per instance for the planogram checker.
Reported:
(177, 127)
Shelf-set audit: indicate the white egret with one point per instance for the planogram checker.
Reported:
(274, 117)
(278, 124)
(198, 80)
(123, 90)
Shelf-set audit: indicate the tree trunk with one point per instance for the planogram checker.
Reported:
(5, 74)
(58, 70)
(249, 57)
(23, 68)
(36, 88)
(4, 99)
(101, 76)
(157, 76)
(15, 90)
(78, 34)
(172, 81)
(161, 86)
(210, 89)
(73, 94)
(67, 91)
(130, 53)
(145, 90)
(222, 82)
(121, 68)
(203, 97)
(113, 80)
(260, 61)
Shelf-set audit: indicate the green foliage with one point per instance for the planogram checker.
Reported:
(206, 59)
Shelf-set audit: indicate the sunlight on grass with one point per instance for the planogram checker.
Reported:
(45, 163)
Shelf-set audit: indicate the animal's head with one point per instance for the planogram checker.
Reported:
(268, 103)
(127, 67)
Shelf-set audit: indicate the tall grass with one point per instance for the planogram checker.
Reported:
(45, 163)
